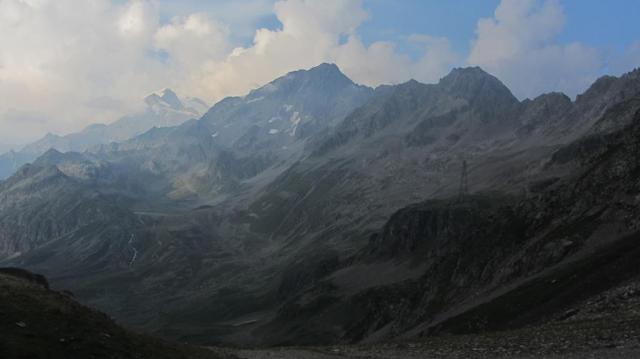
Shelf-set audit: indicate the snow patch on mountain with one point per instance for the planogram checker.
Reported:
(295, 122)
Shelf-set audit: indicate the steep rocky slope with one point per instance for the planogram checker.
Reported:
(487, 262)
(42, 207)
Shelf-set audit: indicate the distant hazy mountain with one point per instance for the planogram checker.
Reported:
(162, 109)
(317, 210)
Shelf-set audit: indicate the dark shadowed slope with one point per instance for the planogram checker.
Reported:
(36, 322)
(488, 262)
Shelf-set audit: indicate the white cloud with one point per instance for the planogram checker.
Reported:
(241, 16)
(60, 58)
(65, 63)
(58, 55)
(65, 59)
(518, 45)
(311, 33)
(193, 40)
(192, 43)
(437, 59)
(15, 126)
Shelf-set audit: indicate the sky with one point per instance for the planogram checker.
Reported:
(65, 64)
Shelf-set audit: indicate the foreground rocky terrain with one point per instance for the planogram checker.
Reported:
(606, 325)
(36, 322)
(315, 211)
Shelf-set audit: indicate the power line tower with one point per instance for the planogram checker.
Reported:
(464, 182)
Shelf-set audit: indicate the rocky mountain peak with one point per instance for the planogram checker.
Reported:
(474, 73)
(52, 153)
(33, 173)
(320, 71)
(623, 87)
(552, 102)
(324, 78)
(477, 86)
(170, 97)
(55, 157)
(51, 137)
(598, 88)
(165, 98)
(410, 86)
(327, 70)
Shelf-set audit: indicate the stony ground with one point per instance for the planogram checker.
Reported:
(606, 326)
(567, 340)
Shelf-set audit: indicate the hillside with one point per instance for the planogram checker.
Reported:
(36, 322)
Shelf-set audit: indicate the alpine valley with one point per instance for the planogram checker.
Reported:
(316, 211)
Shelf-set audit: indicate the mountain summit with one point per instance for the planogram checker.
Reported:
(477, 86)
(165, 97)
(290, 108)
(323, 82)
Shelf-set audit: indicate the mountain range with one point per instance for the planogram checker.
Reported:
(162, 109)
(317, 211)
